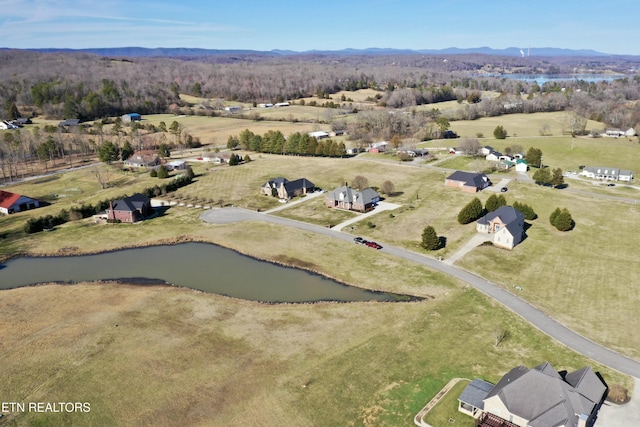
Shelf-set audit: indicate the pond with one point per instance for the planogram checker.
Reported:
(546, 78)
(201, 266)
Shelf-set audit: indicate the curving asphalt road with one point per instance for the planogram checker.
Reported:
(533, 315)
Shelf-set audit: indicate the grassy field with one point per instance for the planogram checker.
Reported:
(211, 360)
(177, 356)
(216, 130)
(517, 125)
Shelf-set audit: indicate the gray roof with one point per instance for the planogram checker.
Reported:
(543, 397)
(608, 171)
(469, 178)
(475, 392)
(507, 214)
(292, 186)
(131, 204)
(364, 197)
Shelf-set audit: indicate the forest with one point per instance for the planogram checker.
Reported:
(95, 89)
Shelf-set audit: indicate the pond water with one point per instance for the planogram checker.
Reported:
(201, 266)
(545, 78)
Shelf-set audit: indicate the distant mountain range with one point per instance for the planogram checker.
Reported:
(194, 52)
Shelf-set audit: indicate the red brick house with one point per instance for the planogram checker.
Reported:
(130, 209)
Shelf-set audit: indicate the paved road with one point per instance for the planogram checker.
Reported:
(533, 315)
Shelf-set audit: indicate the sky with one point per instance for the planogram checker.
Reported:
(300, 25)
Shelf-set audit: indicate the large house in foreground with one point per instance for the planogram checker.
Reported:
(468, 182)
(538, 397)
(347, 198)
(13, 202)
(607, 174)
(505, 225)
(284, 189)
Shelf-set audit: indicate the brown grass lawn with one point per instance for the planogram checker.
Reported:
(177, 356)
(216, 130)
(517, 125)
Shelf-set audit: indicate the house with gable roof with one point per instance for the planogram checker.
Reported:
(505, 225)
(282, 188)
(130, 209)
(468, 182)
(607, 174)
(347, 198)
(538, 397)
(13, 202)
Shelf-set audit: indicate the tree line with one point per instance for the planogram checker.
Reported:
(274, 142)
(85, 86)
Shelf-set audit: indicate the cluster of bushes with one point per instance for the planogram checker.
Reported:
(561, 219)
(474, 210)
(47, 222)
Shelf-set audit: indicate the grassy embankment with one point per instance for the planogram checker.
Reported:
(387, 360)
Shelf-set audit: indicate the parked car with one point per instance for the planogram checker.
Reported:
(360, 241)
(504, 189)
(373, 245)
(611, 184)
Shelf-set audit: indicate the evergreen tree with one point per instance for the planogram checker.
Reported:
(526, 210)
(542, 176)
(499, 132)
(108, 152)
(471, 212)
(563, 221)
(233, 160)
(556, 177)
(534, 157)
(233, 142)
(163, 172)
(153, 173)
(494, 202)
(554, 216)
(430, 240)
(127, 151)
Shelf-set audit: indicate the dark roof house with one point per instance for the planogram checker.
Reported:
(538, 397)
(468, 181)
(130, 209)
(284, 189)
(505, 224)
(347, 198)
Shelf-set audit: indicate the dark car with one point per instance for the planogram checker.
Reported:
(449, 134)
(504, 189)
(611, 184)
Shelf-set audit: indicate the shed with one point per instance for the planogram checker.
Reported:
(131, 117)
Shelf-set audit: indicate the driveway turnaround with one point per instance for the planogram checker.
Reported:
(527, 311)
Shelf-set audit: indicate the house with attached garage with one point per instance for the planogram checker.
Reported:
(13, 202)
(468, 182)
(130, 209)
(284, 189)
(538, 397)
(347, 198)
(505, 225)
(607, 174)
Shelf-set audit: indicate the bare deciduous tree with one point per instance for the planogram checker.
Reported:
(360, 182)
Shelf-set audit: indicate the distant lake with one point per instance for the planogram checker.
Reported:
(544, 78)
(202, 266)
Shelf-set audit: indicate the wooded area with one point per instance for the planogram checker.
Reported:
(90, 88)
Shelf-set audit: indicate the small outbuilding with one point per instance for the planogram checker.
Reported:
(131, 117)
